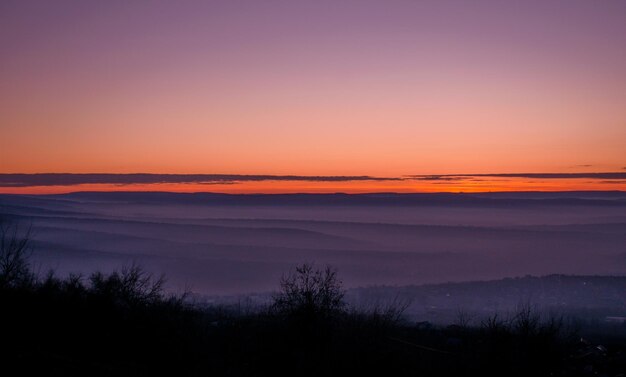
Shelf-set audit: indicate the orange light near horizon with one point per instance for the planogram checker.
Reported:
(352, 187)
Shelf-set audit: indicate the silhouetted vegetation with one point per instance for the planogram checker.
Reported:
(310, 293)
(124, 324)
(14, 255)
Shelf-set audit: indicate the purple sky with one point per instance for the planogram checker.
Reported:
(312, 88)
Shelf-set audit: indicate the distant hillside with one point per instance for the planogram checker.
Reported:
(235, 244)
(592, 297)
(387, 199)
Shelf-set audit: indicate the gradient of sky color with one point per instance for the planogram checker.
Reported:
(381, 88)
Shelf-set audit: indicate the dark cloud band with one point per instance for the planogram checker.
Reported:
(68, 179)
(460, 177)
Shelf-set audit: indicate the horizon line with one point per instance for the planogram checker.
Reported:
(58, 183)
(319, 193)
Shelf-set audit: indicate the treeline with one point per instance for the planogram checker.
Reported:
(124, 324)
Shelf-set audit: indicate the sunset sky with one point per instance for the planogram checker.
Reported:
(461, 94)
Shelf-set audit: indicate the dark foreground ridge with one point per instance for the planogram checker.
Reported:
(123, 325)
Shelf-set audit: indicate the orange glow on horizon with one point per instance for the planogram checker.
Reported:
(352, 187)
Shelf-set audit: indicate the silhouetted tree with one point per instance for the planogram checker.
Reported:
(310, 292)
(132, 285)
(15, 251)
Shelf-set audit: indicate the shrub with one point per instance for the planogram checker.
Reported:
(309, 292)
(132, 286)
(15, 249)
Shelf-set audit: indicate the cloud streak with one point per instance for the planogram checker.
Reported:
(459, 177)
(22, 180)
(69, 179)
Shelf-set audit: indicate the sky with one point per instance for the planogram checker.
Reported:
(388, 89)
